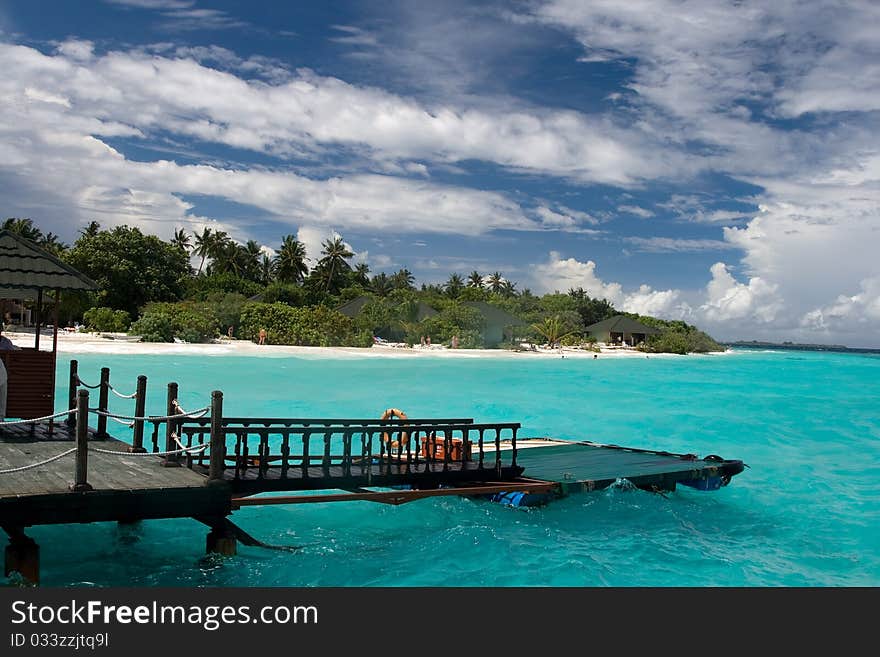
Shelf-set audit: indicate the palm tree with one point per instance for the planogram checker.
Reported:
(495, 282)
(454, 285)
(381, 285)
(553, 328)
(362, 274)
(266, 270)
(203, 246)
(508, 289)
(251, 255)
(25, 228)
(91, 229)
(222, 252)
(336, 254)
(181, 240)
(290, 263)
(403, 280)
(52, 244)
(475, 279)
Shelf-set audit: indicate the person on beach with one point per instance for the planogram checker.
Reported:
(5, 345)
(262, 336)
(428, 341)
(455, 342)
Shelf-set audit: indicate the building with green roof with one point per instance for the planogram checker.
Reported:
(620, 330)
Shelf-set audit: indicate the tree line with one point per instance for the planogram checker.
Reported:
(202, 285)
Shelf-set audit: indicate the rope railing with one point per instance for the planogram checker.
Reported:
(116, 452)
(123, 422)
(86, 385)
(8, 423)
(113, 452)
(120, 395)
(152, 418)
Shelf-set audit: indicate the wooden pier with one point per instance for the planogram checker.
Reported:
(203, 465)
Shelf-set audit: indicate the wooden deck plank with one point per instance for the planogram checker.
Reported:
(106, 471)
(578, 462)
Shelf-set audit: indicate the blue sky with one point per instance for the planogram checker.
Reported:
(716, 162)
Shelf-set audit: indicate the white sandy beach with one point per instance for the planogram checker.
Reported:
(119, 343)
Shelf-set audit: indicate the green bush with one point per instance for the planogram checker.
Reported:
(106, 319)
(204, 287)
(317, 326)
(187, 320)
(292, 295)
(154, 327)
(453, 319)
(680, 342)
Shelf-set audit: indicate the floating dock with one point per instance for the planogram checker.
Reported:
(205, 466)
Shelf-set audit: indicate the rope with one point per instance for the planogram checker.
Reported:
(37, 465)
(120, 395)
(84, 384)
(38, 419)
(153, 418)
(123, 423)
(116, 452)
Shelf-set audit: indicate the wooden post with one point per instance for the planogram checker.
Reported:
(55, 322)
(171, 460)
(103, 403)
(22, 556)
(39, 319)
(221, 539)
(82, 442)
(218, 439)
(513, 450)
(71, 392)
(140, 405)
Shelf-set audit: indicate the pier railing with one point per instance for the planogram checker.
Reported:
(299, 452)
(292, 449)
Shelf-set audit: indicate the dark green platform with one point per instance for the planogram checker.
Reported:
(585, 466)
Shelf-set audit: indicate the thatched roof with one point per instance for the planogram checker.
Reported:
(620, 324)
(495, 315)
(25, 268)
(354, 307)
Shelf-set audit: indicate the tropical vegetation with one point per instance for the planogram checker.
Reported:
(200, 286)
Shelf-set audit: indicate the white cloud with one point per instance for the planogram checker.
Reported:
(52, 156)
(656, 303)
(849, 315)
(149, 93)
(727, 299)
(636, 210)
(560, 274)
(77, 50)
(563, 218)
(676, 245)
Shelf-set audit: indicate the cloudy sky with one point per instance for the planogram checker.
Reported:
(717, 162)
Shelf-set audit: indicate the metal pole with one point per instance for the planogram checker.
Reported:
(82, 442)
(71, 392)
(218, 438)
(171, 460)
(103, 403)
(140, 405)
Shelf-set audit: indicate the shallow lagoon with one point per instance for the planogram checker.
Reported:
(805, 513)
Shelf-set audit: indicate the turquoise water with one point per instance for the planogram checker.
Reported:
(805, 513)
